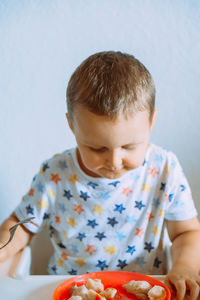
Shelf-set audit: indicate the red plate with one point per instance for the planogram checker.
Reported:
(113, 279)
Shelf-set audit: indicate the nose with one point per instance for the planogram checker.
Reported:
(114, 160)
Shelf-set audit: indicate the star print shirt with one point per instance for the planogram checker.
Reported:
(98, 224)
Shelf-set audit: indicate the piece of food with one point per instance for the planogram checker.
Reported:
(141, 296)
(79, 291)
(95, 285)
(109, 293)
(75, 298)
(157, 292)
(137, 287)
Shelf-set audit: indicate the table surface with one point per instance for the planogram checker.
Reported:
(33, 287)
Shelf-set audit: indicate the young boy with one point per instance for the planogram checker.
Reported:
(107, 201)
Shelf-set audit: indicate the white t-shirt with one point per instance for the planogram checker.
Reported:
(98, 224)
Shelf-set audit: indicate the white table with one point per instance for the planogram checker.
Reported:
(33, 287)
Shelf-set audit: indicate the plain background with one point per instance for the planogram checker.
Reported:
(43, 41)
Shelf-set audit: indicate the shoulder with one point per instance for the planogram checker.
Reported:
(161, 156)
(58, 162)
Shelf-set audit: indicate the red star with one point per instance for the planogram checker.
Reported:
(90, 249)
(153, 172)
(64, 256)
(139, 232)
(57, 219)
(78, 209)
(127, 191)
(55, 178)
(150, 216)
(31, 192)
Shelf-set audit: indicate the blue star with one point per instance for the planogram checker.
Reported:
(84, 195)
(62, 165)
(92, 223)
(159, 157)
(72, 272)
(54, 269)
(122, 263)
(157, 262)
(67, 194)
(131, 219)
(62, 207)
(163, 186)
(29, 209)
(140, 261)
(131, 249)
(114, 183)
(102, 264)
(144, 162)
(120, 236)
(45, 167)
(171, 197)
(81, 236)
(100, 235)
(40, 187)
(139, 205)
(92, 184)
(148, 247)
(105, 195)
(119, 208)
(74, 249)
(61, 245)
(46, 216)
(183, 187)
(173, 164)
(112, 221)
(135, 177)
(156, 202)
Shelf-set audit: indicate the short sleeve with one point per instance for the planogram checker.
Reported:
(180, 205)
(34, 204)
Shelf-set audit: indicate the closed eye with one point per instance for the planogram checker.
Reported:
(99, 150)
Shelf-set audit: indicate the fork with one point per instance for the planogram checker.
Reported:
(13, 229)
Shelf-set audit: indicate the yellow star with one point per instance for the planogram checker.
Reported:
(72, 222)
(160, 246)
(111, 250)
(155, 230)
(98, 209)
(167, 170)
(51, 193)
(56, 154)
(80, 262)
(41, 171)
(161, 213)
(146, 187)
(73, 178)
(149, 272)
(23, 198)
(42, 203)
(59, 262)
(65, 234)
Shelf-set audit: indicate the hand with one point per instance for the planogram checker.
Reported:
(183, 280)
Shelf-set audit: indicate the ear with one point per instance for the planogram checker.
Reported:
(154, 118)
(68, 121)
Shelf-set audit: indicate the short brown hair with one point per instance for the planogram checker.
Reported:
(109, 82)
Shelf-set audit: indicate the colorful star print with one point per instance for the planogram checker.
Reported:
(112, 221)
(62, 165)
(110, 249)
(81, 236)
(78, 209)
(92, 184)
(148, 246)
(84, 195)
(127, 191)
(122, 263)
(98, 209)
(102, 264)
(73, 178)
(90, 249)
(131, 249)
(100, 235)
(72, 222)
(67, 194)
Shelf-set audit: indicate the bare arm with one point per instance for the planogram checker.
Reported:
(185, 237)
(21, 238)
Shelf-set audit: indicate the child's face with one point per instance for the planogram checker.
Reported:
(110, 148)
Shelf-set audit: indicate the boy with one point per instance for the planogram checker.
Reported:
(106, 202)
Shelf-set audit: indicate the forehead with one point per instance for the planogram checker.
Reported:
(93, 129)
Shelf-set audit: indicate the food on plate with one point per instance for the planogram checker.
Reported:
(137, 287)
(95, 285)
(157, 292)
(94, 290)
(109, 293)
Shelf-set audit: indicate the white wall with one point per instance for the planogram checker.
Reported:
(41, 43)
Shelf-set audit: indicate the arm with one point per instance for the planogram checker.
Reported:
(21, 238)
(185, 272)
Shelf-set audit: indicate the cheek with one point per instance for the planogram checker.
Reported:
(136, 158)
(91, 160)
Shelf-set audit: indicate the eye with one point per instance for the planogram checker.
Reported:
(98, 150)
(129, 147)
